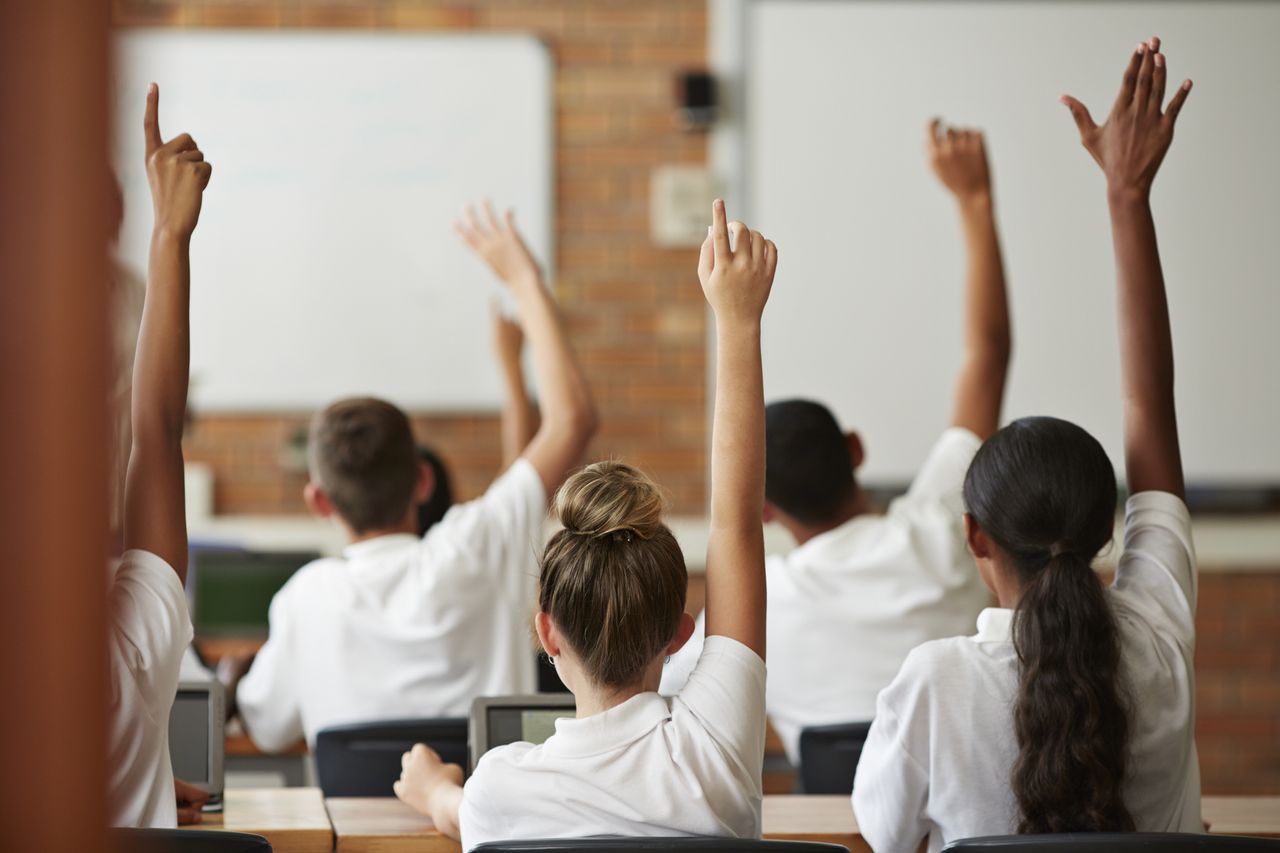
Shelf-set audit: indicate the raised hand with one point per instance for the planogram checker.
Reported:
(508, 337)
(1132, 142)
(736, 281)
(498, 244)
(959, 158)
(176, 171)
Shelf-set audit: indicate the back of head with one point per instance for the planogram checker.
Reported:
(361, 452)
(808, 468)
(614, 579)
(1044, 491)
(434, 508)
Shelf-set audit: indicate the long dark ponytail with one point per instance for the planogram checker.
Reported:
(1043, 490)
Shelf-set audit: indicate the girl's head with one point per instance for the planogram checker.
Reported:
(434, 508)
(613, 582)
(1041, 501)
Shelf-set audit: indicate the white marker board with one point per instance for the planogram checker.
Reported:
(866, 310)
(325, 264)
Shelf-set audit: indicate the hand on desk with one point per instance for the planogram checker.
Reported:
(190, 802)
(431, 787)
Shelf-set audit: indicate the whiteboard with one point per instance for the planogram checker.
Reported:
(866, 310)
(324, 264)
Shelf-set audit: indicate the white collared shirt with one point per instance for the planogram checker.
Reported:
(148, 633)
(847, 606)
(651, 766)
(941, 751)
(402, 626)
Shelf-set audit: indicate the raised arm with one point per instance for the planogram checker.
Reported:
(518, 417)
(155, 514)
(959, 159)
(736, 282)
(1129, 147)
(568, 411)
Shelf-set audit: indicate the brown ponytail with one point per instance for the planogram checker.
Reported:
(1044, 491)
(614, 579)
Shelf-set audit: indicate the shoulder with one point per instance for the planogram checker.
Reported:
(306, 583)
(1156, 573)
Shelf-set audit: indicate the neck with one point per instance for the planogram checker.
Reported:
(858, 504)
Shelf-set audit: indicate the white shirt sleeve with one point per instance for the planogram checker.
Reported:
(150, 626)
(1156, 574)
(941, 478)
(480, 816)
(267, 696)
(891, 788)
(725, 692)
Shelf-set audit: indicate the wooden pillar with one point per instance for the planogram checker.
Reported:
(53, 423)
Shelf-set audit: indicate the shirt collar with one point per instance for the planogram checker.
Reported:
(611, 729)
(825, 539)
(995, 625)
(378, 545)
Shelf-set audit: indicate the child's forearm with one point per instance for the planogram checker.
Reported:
(517, 414)
(564, 394)
(446, 801)
(161, 366)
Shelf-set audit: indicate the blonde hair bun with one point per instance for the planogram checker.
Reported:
(610, 498)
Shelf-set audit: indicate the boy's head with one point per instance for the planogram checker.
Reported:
(364, 465)
(809, 463)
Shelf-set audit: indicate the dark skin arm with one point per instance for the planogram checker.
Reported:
(1130, 146)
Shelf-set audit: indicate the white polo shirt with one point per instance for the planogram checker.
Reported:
(941, 751)
(402, 626)
(847, 606)
(652, 766)
(149, 632)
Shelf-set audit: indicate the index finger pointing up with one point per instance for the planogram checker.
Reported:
(151, 120)
(720, 231)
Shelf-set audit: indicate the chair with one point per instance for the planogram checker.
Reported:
(651, 845)
(829, 757)
(186, 841)
(363, 759)
(1095, 842)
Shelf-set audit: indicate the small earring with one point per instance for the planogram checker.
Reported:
(667, 659)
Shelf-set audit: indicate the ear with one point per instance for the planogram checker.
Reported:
(683, 632)
(769, 514)
(856, 452)
(425, 484)
(546, 630)
(980, 544)
(317, 501)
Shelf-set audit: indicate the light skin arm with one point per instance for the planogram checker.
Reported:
(736, 283)
(155, 515)
(431, 787)
(518, 417)
(959, 160)
(1130, 147)
(568, 410)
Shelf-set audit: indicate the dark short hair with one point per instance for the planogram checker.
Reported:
(808, 469)
(434, 508)
(361, 452)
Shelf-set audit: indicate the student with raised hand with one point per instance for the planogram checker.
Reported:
(149, 626)
(879, 585)
(1072, 709)
(611, 593)
(404, 625)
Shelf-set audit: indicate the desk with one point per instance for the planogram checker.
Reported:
(292, 819)
(386, 825)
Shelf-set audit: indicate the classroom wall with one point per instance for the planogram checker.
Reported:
(635, 311)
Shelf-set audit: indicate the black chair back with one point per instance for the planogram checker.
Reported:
(186, 841)
(1095, 842)
(652, 845)
(363, 759)
(829, 757)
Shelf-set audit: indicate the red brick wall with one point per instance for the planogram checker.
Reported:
(635, 311)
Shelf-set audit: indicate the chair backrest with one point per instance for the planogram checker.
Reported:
(651, 845)
(186, 841)
(829, 757)
(1095, 842)
(363, 759)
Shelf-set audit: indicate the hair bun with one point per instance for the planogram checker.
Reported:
(610, 498)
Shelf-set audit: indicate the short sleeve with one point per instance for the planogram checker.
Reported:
(941, 478)
(267, 696)
(1156, 573)
(725, 692)
(150, 625)
(676, 672)
(890, 788)
(480, 816)
(504, 526)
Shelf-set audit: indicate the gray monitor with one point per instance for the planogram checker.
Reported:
(197, 738)
(499, 720)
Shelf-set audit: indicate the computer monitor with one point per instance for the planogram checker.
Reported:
(231, 590)
(197, 737)
(499, 720)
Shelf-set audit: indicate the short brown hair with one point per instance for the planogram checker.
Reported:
(614, 579)
(361, 452)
